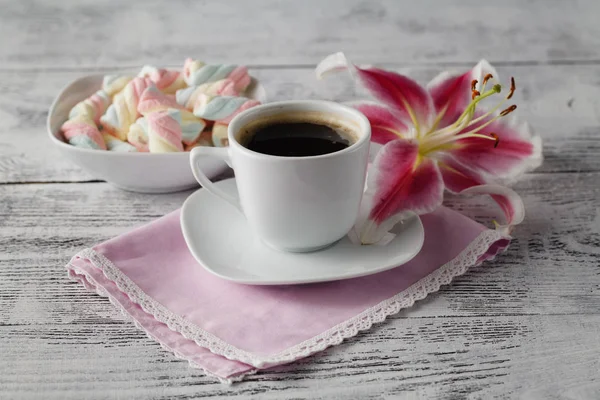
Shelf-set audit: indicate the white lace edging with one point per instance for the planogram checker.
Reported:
(469, 257)
(90, 283)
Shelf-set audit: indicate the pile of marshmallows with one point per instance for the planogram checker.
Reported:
(160, 110)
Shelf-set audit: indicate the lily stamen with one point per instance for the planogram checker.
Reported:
(485, 81)
(465, 119)
(487, 114)
(495, 137)
(436, 139)
(513, 87)
(434, 144)
(469, 110)
(508, 110)
(467, 115)
(452, 133)
(491, 120)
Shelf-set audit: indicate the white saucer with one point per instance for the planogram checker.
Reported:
(220, 239)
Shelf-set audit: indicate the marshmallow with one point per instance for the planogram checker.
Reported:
(165, 80)
(138, 135)
(219, 135)
(164, 131)
(123, 112)
(81, 131)
(191, 130)
(94, 106)
(205, 139)
(191, 127)
(114, 144)
(196, 73)
(187, 97)
(221, 108)
(153, 100)
(113, 84)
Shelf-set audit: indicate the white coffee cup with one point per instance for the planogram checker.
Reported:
(295, 204)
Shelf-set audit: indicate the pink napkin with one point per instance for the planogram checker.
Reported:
(231, 330)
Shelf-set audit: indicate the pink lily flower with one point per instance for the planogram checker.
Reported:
(437, 138)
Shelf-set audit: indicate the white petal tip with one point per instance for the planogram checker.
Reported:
(515, 216)
(504, 229)
(537, 156)
(332, 63)
(380, 241)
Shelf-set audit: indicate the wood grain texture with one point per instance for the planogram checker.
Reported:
(554, 257)
(432, 358)
(523, 326)
(561, 103)
(270, 32)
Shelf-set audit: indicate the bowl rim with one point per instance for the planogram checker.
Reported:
(68, 147)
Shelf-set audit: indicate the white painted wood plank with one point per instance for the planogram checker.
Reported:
(561, 103)
(41, 34)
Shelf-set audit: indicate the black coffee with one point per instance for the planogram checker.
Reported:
(296, 139)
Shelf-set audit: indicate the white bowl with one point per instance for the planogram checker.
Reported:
(137, 172)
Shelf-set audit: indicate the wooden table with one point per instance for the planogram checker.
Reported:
(526, 325)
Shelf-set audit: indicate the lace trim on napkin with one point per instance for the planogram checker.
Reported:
(90, 284)
(469, 257)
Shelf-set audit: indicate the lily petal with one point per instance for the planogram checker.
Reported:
(385, 127)
(518, 150)
(451, 92)
(405, 97)
(457, 177)
(365, 231)
(461, 180)
(399, 183)
(401, 180)
(508, 200)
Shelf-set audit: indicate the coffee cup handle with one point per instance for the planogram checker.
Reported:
(216, 152)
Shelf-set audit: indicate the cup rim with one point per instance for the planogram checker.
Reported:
(360, 117)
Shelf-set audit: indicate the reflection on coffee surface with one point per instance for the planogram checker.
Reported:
(296, 136)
